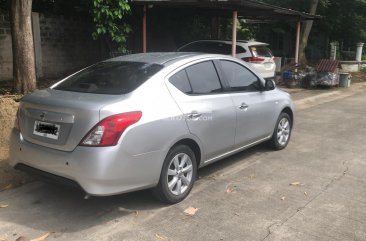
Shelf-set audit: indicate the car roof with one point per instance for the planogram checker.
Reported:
(161, 58)
(246, 42)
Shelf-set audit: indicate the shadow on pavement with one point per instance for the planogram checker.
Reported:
(55, 208)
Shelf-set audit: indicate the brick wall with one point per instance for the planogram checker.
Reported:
(6, 57)
(65, 44)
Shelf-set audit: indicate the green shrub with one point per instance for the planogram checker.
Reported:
(363, 70)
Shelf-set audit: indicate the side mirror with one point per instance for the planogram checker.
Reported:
(270, 85)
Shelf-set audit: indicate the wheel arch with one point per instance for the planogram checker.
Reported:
(193, 145)
(288, 111)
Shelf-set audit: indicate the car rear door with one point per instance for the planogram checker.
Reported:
(209, 113)
(255, 109)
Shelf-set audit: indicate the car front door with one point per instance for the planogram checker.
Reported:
(209, 113)
(255, 108)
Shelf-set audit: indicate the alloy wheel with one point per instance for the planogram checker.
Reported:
(283, 131)
(179, 174)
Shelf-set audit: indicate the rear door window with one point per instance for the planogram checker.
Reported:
(203, 78)
(238, 77)
(181, 82)
(110, 77)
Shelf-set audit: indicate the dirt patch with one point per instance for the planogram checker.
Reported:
(358, 77)
(8, 110)
(9, 178)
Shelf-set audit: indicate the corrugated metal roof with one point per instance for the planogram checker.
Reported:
(250, 9)
(327, 65)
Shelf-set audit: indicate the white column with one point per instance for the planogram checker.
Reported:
(359, 51)
(333, 50)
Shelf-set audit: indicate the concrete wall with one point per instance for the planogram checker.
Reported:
(352, 66)
(66, 44)
(63, 44)
(6, 57)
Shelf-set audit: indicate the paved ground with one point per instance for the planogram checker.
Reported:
(326, 159)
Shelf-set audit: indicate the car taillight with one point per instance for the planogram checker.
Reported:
(108, 131)
(253, 59)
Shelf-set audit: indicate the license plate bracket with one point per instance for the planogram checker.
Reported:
(45, 129)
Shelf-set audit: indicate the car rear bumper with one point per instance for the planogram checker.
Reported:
(267, 73)
(98, 171)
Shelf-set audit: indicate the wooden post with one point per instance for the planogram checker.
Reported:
(233, 47)
(144, 48)
(297, 42)
(37, 44)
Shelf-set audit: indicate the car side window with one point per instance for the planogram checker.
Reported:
(181, 82)
(203, 78)
(239, 78)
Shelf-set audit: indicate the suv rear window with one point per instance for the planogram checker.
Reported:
(261, 51)
(111, 78)
(211, 48)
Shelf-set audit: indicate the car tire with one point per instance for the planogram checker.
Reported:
(282, 132)
(177, 175)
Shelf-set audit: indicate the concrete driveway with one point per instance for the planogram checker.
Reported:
(245, 197)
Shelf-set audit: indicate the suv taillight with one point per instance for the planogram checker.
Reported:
(253, 59)
(108, 131)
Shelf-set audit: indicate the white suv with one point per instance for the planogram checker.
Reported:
(257, 54)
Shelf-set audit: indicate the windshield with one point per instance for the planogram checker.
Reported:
(111, 77)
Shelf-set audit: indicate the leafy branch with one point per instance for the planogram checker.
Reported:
(108, 16)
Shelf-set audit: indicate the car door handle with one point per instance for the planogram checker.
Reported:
(194, 115)
(243, 106)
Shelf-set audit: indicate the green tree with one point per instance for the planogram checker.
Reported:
(109, 18)
(342, 21)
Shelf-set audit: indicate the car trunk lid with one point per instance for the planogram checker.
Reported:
(60, 119)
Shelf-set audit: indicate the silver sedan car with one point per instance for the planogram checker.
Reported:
(147, 121)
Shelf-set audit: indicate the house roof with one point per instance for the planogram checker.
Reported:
(248, 9)
(327, 65)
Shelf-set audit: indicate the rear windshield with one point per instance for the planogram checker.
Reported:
(261, 51)
(112, 78)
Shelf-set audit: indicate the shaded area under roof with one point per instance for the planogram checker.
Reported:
(248, 9)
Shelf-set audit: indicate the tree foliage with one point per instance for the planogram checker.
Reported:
(342, 21)
(109, 16)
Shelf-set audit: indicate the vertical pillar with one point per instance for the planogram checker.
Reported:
(333, 50)
(359, 51)
(37, 44)
(144, 48)
(298, 30)
(233, 47)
